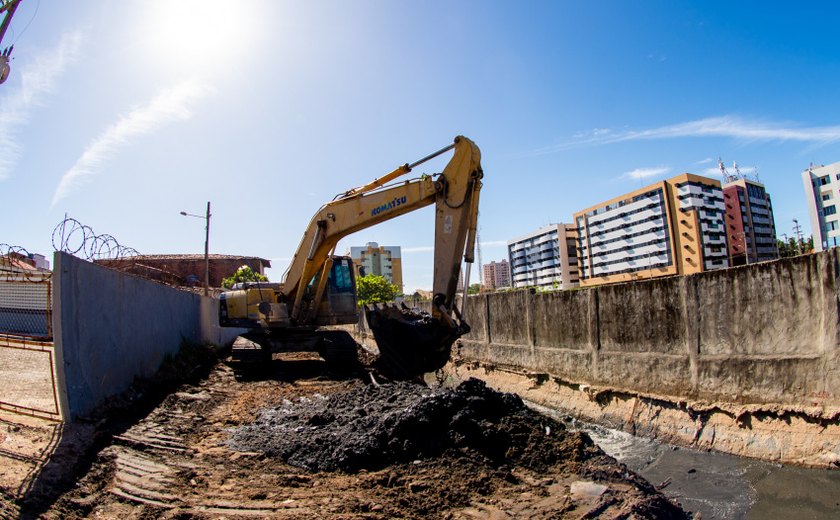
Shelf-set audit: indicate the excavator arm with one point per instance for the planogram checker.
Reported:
(455, 194)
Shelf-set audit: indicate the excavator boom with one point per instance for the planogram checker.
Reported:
(455, 193)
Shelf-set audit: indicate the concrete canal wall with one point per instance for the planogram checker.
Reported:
(743, 360)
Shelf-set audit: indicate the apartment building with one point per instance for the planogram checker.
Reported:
(749, 222)
(545, 258)
(822, 192)
(672, 227)
(496, 274)
(378, 260)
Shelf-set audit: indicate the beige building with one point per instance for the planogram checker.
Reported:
(496, 274)
(378, 260)
(672, 227)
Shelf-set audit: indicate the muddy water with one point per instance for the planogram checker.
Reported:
(722, 486)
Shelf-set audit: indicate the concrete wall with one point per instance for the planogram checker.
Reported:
(111, 327)
(764, 333)
(744, 360)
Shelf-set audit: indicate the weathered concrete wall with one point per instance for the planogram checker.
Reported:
(759, 341)
(111, 327)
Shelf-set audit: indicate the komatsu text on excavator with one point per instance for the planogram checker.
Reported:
(319, 287)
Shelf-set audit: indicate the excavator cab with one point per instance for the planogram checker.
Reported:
(338, 305)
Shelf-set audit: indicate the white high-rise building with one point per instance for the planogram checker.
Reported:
(545, 258)
(822, 192)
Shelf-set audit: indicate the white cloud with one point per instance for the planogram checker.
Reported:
(644, 173)
(707, 160)
(724, 126)
(38, 80)
(173, 104)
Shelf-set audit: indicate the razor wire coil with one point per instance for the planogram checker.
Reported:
(72, 237)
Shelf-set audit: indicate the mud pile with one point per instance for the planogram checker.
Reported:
(375, 426)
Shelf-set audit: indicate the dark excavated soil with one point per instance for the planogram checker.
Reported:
(373, 426)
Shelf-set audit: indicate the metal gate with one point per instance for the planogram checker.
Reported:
(27, 351)
(27, 377)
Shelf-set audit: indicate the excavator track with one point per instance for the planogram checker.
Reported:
(250, 356)
(411, 342)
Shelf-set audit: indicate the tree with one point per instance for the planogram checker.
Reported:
(243, 274)
(373, 288)
(475, 288)
(795, 247)
(785, 249)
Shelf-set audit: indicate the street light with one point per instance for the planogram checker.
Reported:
(206, 218)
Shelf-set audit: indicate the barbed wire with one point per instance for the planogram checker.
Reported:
(72, 237)
(12, 260)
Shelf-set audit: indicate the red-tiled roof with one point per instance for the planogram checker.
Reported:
(17, 263)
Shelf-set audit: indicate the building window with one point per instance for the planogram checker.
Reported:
(826, 196)
(824, 180)
(829, 210)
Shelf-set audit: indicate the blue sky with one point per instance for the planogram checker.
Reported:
(123, 113)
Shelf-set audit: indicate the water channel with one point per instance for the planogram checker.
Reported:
(720, 486)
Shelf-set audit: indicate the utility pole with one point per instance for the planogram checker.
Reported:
(478, 250)
(206, 218)
(7, 9)
(797, 230)
(207, 251)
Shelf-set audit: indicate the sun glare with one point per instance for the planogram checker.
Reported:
(196, 34)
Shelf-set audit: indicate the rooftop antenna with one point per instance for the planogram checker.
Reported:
(727, 177)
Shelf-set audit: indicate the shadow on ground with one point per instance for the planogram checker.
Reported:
(76, 444)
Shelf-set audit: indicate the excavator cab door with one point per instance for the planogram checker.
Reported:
(338, 306)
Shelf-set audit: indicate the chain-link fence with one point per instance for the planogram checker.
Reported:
(26, 304)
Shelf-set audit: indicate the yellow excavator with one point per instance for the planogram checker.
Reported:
(319, 287)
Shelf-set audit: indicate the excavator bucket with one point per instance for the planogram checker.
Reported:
(411, 342)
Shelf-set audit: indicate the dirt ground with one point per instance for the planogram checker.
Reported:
(171, 458)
